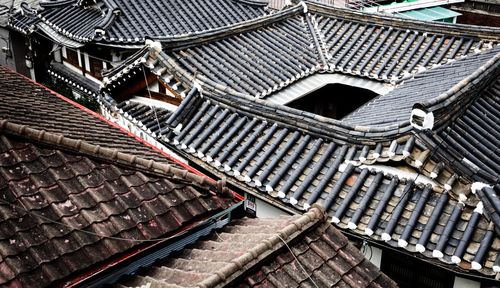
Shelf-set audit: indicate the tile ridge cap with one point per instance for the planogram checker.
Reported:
(267, 246)
(107, 154)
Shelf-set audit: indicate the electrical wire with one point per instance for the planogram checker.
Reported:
(36, 215)
(149, 92)
(298, 262)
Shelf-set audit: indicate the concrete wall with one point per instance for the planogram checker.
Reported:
(373, 254)
(265, 210)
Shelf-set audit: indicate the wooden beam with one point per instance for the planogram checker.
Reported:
(161, 97)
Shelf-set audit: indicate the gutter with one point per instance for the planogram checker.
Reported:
(147, 257)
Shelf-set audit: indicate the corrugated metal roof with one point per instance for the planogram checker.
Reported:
(430, 14)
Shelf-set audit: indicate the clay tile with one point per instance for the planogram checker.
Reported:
(228, 270)
(41, 135)
(259, 249)
(3, 123)
(289, 230)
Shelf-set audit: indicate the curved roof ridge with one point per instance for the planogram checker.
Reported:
(253, 2)
(486, 33)
(460, 92)
(335, 129)
(108, 154)
(56, 3)
(225, 31)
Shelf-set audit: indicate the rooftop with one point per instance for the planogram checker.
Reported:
(70, 206)
(261, 253)
(125, 22)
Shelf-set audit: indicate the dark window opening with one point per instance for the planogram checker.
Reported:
(72, 57)
(96, 67)
(409, 272)
(333, 100)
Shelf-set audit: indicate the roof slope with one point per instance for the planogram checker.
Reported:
(390, 48)
(300, 160)
(66, 204)
(470, 140)
(276, 50)
(131, 22)
(255, 62)
(396, 106)
(252, 253)
(27, 103)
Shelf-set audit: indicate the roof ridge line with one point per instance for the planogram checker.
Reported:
(336, 128)
(314, 33)
(460, 30)
(107, 154)
(192, 39)
(277, 241)
(458, 92)
(253, 2)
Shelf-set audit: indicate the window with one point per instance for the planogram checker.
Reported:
(96, 67)
(410, 272)
(333, 100)
(72, 57)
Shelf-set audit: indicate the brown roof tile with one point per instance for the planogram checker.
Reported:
(64, 202)
(80, 192)
(28, 103)
(249, 253)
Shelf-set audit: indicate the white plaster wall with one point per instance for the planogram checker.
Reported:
(373, 254)
(265, 210)
(465, 283)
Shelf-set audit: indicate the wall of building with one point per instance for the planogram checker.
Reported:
(475, 18)
(13, 50)
(465, 283)
(373, 254)
(6, 57)
(479, 12)
(266, 210)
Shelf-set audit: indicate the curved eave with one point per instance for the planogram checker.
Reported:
(58, 38)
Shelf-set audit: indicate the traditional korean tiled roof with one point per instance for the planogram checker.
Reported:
(468, 139)
(423, 87)
(302, 159)
(27, 103)
(6, 12)
(131, 22)
(81, 83)
(261, 253)
(66, 203)
(270, 53)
